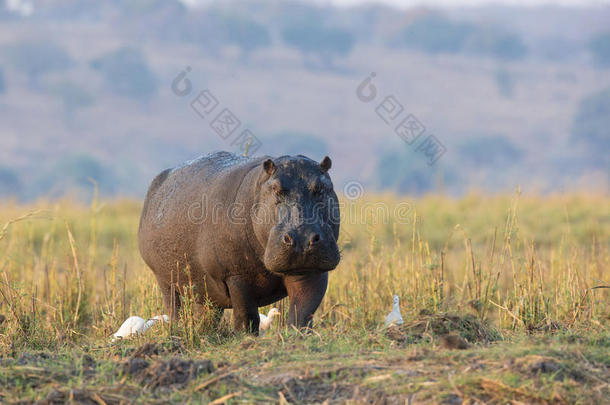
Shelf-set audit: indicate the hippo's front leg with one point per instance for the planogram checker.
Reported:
(305, 293)
(243, 301)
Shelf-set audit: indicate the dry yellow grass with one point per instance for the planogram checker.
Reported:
(519, 262)
(486, 268)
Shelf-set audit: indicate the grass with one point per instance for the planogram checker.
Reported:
(521, 279)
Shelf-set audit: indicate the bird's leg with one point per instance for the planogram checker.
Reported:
(306, 293)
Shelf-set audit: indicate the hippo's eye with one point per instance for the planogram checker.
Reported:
(317, 190)
(277, 189)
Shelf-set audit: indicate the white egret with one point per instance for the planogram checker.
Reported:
(134, 325)
(394, 317)
(266, 320)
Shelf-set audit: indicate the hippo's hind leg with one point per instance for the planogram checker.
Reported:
(208, 313)
(171, 297)
(198, 305)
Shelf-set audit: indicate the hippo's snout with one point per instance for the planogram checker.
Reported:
(306, 244)
(302, 248)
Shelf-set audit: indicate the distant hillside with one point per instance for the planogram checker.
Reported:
(515, 96)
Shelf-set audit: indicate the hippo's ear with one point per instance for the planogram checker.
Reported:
(269, 166)
(325, 164)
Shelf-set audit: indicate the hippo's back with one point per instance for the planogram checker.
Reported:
(174, 185)
(177, 200)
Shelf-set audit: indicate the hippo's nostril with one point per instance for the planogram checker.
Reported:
(288, 240)
(315, 238)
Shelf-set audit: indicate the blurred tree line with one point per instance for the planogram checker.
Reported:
(591, 128)
(435, 33)
(126, 73)
(75, 174)
(35, 59)
(406, 170)
(2, 81)
(314, 30)
(600, 48)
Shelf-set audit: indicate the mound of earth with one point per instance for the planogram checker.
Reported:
(536, 365)
(110, 396)
(174, 372)
(444, 326)
(316, 390)
(152, 349)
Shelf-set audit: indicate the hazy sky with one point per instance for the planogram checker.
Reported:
(410, 3)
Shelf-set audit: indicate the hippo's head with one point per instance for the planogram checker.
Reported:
(296, 217)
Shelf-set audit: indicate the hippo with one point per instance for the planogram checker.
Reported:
(242, 233)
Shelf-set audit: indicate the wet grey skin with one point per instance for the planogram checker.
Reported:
(244, 232)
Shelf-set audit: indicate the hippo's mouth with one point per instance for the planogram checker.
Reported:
(283, 265)
(300, 271)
